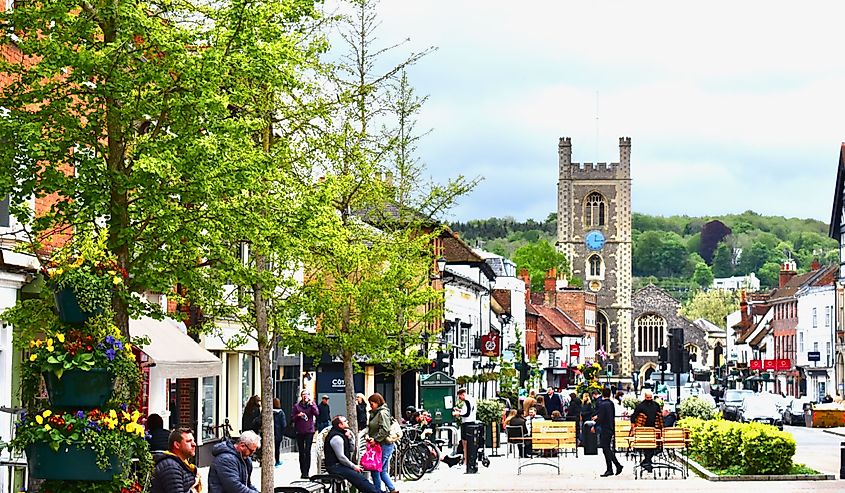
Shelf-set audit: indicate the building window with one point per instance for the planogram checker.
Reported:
(827, 311)
(827, 353)
(594, 210)
(693, 352)
(209, 407)
(801, 342)
(602, 333)
(815, 322)
(5, 219)
(596, 266)
(650, 329)
(247, 376)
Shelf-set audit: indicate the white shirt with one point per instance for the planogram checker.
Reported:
(468, 411)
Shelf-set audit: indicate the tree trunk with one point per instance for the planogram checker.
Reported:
(397, 391)
(349, 387)
(268, 441)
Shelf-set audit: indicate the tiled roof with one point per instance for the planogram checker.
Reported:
(549, 333)
(838, 192)
(561, 322)
(503, 297)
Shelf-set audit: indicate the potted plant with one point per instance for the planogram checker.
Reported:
(84, 276)
(82, 446)
(589, 383)
(81, 366)
(490, 413)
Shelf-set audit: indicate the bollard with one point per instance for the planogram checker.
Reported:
(842, 461)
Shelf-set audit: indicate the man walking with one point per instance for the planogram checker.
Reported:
(647, 413)
(467, 415)
(231, 469)
(338, 450)
(605, 418)
(323, 421)
(173, 473)
(553, 402)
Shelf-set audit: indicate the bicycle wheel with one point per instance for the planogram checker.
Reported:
(434, 456)
(415, 462)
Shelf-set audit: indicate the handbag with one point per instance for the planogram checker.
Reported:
(395, 432)
(290, 430)
(371, 458)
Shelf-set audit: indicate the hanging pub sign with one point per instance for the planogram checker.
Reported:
(490, 346)
(756, 364)
(769, 364)
(783, 364)
(574, 350)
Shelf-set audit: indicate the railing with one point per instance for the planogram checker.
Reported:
(13, 471)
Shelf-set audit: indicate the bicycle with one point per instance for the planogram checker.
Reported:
(224, 426)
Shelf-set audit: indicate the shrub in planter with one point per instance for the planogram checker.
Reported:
(766, 450)
(696, 407)
(489, 411)
(725, 444)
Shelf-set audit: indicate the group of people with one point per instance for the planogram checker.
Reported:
(599, 411)
(231, 469)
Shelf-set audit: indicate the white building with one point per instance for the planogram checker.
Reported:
(748, 283)
(815, 339)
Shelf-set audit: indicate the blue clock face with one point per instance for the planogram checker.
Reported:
(594, 240)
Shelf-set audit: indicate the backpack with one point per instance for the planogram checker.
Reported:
(395, 432)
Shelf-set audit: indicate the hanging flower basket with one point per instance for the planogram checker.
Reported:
(80, 389)
(70, 462)
(67, 307)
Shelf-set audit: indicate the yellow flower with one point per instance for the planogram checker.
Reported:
(113, 414)
(32, 343)
(110, 423)
(116, 280)
(125, 415)
(136, 415)
(38, 343)
(39, 419)
(33, 357)
(47, 413)
(50, 348)
(58, 272)
(47, 427)
(60, 337)
(49, 341)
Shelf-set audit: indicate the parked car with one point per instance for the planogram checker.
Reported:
(793, 410)
(732, 403)
(762, 408)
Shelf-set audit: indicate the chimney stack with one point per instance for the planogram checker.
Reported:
(815, 265)
(787, 272)
(526, 278)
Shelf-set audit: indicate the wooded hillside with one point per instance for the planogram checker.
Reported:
(681, 252)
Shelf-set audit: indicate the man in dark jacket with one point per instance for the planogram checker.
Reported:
(323, 421)
(553, 402)
(280, 422)
(647, 413)
(173, 473)
(606, 418)
(338, 450)
(231, 469)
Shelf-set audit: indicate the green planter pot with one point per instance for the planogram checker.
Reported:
(70, 463)
(80, 389)
(68, 309)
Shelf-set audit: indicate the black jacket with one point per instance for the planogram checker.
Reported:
(553, 403)
(331, 457)
(158, 439)
(280, 422)
(361, 412)
(606, 413)
(172, 474)
(325, 413)
(573, 412)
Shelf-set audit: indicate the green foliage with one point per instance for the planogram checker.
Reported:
(723, 261)
(746, 448)
(713, 305)
(661, 253)
(695, 407)
(490, 411)
(702, 276)
(538, 258)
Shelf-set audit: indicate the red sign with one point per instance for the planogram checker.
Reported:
(783, 364)
(490, 345)
(769, 364)
(574, 350)
(756, 364)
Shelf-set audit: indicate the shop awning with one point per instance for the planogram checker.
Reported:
(175, 354)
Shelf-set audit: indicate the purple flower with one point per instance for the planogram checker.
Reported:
(110, 340)
(123, 407)
(118, 345)
(80, 414)
(110, 354)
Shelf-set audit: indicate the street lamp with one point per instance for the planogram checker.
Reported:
(441, 265)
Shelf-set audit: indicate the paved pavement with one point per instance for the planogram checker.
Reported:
(582, 474)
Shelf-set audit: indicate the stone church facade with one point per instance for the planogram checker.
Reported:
(594, 231)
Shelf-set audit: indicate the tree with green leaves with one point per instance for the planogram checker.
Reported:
(723, 261)
(702, 276)
(538, 258)
(713, 305)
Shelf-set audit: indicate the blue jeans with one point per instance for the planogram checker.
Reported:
(358, 480)
(386, 451)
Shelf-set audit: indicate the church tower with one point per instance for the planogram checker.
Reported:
(594, 231)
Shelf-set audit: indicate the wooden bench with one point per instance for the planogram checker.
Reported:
(548, 440)
(303, 486)
(622, 432)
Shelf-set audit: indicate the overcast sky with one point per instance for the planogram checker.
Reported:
(730, 105)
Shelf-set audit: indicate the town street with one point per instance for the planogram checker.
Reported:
(817, 448)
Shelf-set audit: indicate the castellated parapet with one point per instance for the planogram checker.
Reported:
(594, 171)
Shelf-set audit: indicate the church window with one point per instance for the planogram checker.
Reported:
(650, 330)
(595, 266)
(595, 210)
(602, 332)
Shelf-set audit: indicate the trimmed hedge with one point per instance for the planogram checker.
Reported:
(754, 447)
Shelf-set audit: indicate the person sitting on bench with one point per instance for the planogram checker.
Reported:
(338, 449)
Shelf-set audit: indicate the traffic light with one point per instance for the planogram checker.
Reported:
(443, 362)
(677, 358)
(662, 354)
